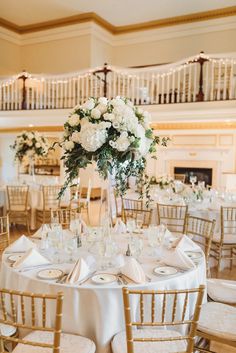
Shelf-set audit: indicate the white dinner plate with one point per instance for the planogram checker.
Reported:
(14, 258)
(193, 255)
(52, 273)
(104, 278)
(165, 270)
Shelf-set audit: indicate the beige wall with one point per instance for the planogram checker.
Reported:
(9, 58)
(101, 52)
(57, 56)
(171, 50)
(87, 50)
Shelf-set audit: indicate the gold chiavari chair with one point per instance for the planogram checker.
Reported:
(201, 230)
(156, 331)
(64, 216)
(18, 208)
(4, 232)
(173, 216)
(145, 215)
(29, 311)
(224, 247)
(50, 201)
(130, 204)
(216, 324)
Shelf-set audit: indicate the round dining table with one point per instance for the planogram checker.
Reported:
(96, 310)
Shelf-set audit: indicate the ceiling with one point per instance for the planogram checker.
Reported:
(116, 12)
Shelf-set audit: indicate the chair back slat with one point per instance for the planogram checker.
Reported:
(173, 216)
(18, 304)
(176, 301)
(64, 216)
(144, 214)
(50, 196)
(228, 221)
(4, 232)
(17, 197)
(201, 230)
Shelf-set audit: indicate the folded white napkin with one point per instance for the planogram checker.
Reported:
(185, 244)
(176, 257)
(31, 258)
(119, 227)
(175, 254)
(133, 270)
(20, 245)
(78, 272)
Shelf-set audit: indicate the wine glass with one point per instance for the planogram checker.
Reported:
(131, 225)
(139, 221)
(136, 247)
(71, 246)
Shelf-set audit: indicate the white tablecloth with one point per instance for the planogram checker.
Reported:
(97, 311)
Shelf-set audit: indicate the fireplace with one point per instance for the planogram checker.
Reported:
(202, 174)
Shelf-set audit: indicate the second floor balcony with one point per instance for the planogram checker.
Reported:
(202, 78)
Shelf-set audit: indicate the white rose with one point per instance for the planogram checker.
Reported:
(102, 108)
(69, 145)
(75, 137)
(103, 100)
(117, 102)
(95, 113)
(30, 135)
(38, 145)
(73, 120)
(122, 143)
(89, 104)
(116, 125)
(30, 143)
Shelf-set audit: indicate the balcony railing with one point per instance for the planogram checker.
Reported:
(196, 79)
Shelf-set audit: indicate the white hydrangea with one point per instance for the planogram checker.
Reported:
(89, 104)
(69, 145)
(95, 113)
(38, 145)
(117, 102)
(74, 120)
(92, 136)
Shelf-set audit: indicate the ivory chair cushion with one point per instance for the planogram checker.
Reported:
(219, 320)
(222, 290)
(6, 330)
(69, 343)
(119, 342)
(228, 239)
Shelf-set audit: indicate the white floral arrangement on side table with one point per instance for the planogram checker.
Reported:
(30, 144)
(113, 133)
(165, 181)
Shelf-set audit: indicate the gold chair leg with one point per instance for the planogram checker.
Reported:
(219, 260)
(231, 260)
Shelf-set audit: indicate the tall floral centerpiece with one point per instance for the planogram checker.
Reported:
(113, 133)
(30, 144)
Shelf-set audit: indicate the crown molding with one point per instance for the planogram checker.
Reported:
(95, 30)
(93, 17)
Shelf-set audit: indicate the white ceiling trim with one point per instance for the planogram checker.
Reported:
(10, 36)
(93, 29)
